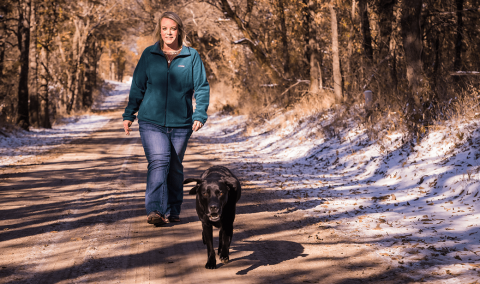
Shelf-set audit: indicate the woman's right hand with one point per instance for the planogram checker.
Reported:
(126, 126)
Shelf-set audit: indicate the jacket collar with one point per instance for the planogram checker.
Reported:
(157, 50)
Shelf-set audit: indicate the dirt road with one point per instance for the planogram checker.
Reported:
(76, 215)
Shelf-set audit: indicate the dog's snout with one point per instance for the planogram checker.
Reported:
(213, 208)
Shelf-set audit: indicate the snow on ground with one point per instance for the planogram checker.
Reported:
(418, 204)
(115, 99)
(22, 144)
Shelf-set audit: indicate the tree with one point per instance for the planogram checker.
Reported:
(413, 47)
(337, 73)
(312, 55)
(250, 39)
(33, 68)
(387, 73)
(283, 36)
(457, 65)
(365, 27)
(23, 36)
(48, 18)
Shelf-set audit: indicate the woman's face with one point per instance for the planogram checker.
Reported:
(169, 31)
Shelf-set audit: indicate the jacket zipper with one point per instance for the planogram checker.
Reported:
(166, 97)
(168, 79)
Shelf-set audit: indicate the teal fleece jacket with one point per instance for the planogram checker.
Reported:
(162, 94)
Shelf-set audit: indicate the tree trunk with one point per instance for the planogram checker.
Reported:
(80, 36)
(23, 37)
(33, 90)
(3, 39)
(386, 19)
(44, 112)
(312, 57)
(283, 32)
(350, 47)
(80, 87)
(337, 74)
(307, 20)
(413, 45)
(316, 81)
(457, 65)
(365, 27)
(90, 72)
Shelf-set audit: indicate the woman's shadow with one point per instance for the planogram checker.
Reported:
(268, 253)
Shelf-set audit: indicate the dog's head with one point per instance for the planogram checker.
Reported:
(212, 195)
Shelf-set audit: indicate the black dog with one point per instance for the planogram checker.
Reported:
(218, 191)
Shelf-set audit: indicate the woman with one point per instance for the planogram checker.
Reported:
(164, 81)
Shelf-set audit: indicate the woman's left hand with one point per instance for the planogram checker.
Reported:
(197, 125)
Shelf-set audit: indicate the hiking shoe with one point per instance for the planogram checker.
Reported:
(174, 218)
(156, 218)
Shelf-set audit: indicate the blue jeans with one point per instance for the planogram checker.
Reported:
(164, 148)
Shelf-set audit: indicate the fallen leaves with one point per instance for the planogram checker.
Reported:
(385, 197)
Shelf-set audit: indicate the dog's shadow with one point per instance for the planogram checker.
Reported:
(267, 253)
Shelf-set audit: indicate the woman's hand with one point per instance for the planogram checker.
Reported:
(197, 125)
(126, 126)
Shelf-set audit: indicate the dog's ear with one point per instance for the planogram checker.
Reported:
(189, 180)
(231, 182)
(193, 191)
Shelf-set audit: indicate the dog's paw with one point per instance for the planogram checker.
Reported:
(224, 259)
(211, 264)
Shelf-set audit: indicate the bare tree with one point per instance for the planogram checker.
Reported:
(48, 17)
(337, 73)
(312, 55)
(23, 36)
(365, 27)
(250, 38)
(350, 44)
(457, 65)
(283, 35)
(413, 46)
(386, 72)
(33, 88)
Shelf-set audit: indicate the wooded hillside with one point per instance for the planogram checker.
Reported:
(417, 56)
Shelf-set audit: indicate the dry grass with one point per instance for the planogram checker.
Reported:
(464, 106)
(224, 95)
(330, 119)
(311, 104)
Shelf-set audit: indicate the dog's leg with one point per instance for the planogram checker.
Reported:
(208, 240)
(226, 238)
(220, 240)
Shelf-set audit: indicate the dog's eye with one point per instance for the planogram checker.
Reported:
(205, 193)
(220, 193)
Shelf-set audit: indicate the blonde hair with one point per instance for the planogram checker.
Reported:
(182, 35)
